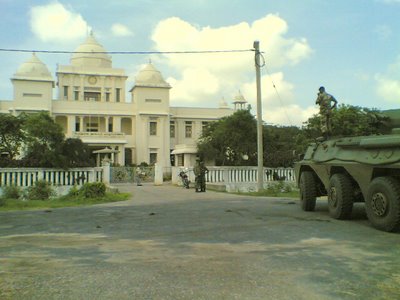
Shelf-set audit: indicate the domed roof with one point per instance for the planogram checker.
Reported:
(150, 76)
(239, 98)
(223, 103)
(33, 68)
(91, 54)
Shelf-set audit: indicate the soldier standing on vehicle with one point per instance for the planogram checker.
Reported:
(324, 101)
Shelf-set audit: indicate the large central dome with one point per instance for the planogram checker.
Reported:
(91, 54)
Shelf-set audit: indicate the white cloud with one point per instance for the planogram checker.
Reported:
(278, 101)
(291, 114)
(118, 29)
(199, 77)
(194, 81)
(388, 89)
(388, 84)
(55, 23)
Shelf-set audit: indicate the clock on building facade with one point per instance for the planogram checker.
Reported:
(92, 79)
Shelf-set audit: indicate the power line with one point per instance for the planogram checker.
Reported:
(126, 52)
(277, 93)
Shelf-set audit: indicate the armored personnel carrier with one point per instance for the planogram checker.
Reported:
(355, 169)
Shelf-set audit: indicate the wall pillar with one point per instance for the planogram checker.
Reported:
(70, 125)
(106, 121)
(158, 174)
(106, 171)
(116, 124)
(81, 124)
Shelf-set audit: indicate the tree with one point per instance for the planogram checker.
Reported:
(11, 135)
(280, 142)
(44, 139)
(41, 142)
(234, 138)
(231, 140)
(76, 153)
(348, 120)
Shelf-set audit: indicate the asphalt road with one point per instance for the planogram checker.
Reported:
(171, 243)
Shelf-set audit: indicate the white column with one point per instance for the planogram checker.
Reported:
(81, 124)
(106, 123)
(116, 124)
(106, 171)
(70, 125)
(121, 155)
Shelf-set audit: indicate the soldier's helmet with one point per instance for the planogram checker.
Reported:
(321, 89)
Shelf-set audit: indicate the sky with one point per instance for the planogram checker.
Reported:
(351, 47)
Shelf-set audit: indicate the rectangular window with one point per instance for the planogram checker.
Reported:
(153, 158)
(110, 127)
(128, 156)
(77, 127)
(153, 128)
(204, 125)
(76, 95)
(188, 129)
(172, 158)
(92, 127)
(107, 97)
(181, 161)
(31, 95)
(65, 92)
(92, 96)
(172, 129)
(117, 95)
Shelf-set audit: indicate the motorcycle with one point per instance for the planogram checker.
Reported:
(185, 178)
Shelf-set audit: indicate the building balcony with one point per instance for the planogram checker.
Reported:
(101, 137)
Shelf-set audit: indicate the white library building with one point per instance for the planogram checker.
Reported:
(91, 105)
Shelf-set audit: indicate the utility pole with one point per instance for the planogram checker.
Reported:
(260, 159)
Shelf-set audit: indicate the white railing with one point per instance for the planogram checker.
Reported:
(24, 177)
(98, 134)
(228, 175)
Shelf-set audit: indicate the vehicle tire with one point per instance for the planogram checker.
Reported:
(308, 191)
(382, 203)
(340, 196)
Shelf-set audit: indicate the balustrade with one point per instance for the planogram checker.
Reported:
(242, 174)
(28, 176)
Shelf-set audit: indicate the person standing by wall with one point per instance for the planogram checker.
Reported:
(200, 171)
(138, 176)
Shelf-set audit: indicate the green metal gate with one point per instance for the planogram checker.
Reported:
(128, 174)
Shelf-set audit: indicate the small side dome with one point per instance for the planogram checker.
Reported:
(150, 76)
(33, 69)
(239, 101)
(239, 98)
(223, 103)
(91, 54)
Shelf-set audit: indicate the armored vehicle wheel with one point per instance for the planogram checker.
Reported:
(382, 203)
(308, 191)
(340, 196)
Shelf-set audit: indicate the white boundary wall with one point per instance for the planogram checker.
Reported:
(62, 180)
(237, 178)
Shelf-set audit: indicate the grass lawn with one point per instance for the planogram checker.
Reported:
(65, 201)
